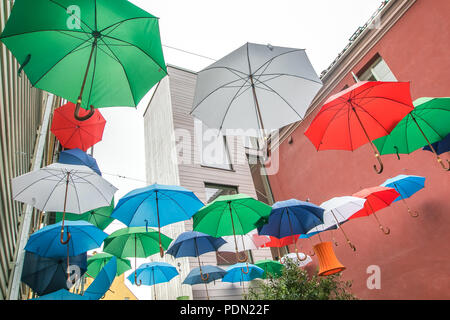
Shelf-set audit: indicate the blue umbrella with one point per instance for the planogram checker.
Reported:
(78, 157)
(196, 276)
(153, 273)
(290, 218)
(406, 186)
(156, 206)
(46, 275)
(440, 146)
(61, 294)
(235, 273)
(84, 237)
(103, 281)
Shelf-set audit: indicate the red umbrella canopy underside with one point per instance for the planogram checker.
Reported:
(379, 105)
(72, 133)
(377, 199)
(278, 243)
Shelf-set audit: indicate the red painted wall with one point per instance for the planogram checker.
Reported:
(415, 258)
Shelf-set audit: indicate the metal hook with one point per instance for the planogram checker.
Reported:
(443, 165)
(351, 245)
(385, 230)
(378, 171)
(76, 113)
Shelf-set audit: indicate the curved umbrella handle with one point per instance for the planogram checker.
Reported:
(245, 272)
(76, 113)
(385, 230)
(443, 165)
(62, 237)
(161, 251)
(351, 245)
(311, 253)
(204, 279)
(298, 256)
(135, 280)
(378, 171)
(396, 150)
(413, 214)
(241, 260)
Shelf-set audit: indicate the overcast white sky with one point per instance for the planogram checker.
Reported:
(214, 28)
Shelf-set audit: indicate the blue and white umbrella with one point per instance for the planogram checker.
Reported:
(406, 186)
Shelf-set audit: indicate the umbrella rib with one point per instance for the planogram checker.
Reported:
(187, 214)
(429, 125)
(88, 182)
(126, 20)
(162, 68)
(232, 70)
(385, 98)
(359, 106)
(220, 219)
(48, 30)
(76, 193)
(65, 56)
(328, 125)
(289, 75)
(275, 57)
(65, 9)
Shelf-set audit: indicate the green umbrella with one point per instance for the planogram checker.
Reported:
(99, 260)
(275, 268)
(98, 53)
(99, 217)
(231, 215)
(427, 123)
(137, 242)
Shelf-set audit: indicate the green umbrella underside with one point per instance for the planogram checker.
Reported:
(99, 260)
(98, 217)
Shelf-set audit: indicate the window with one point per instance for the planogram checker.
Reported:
(213, 147)
(215, 190)
(376, 70)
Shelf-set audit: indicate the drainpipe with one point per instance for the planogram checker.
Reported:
(14, 287)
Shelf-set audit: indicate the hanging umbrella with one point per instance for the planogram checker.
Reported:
(235, 273)
(256, 87)
(441, 146)
(303, 261)
(337, 211)
(259, 240)
(377, 199)
(195, 276)
(244, 242)
(102, 281)
(137, 242)
(61, 294)
(45, 275)
(73, 133)
(360, 114)
(270, 267)
(102, 53)
(425, 124)
(100, 217)
(99, 260)
(292, 217)
(156, 206)
(406, 186)
(279, 243)
(79, 157)
(153, 273)
(63, 187)
(231, 215)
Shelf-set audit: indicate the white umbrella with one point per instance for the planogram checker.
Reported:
(298, 261)
(337, 211)
(63, 187)
(244, 242)
(256, 87)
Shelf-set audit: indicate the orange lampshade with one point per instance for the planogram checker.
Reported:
(328, 263)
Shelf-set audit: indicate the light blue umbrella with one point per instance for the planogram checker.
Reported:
(78, 157)
(84, 237)
(204, 275)
(103, 281)
(156, 206)
(153, 273)
(406, 186)
(61, 294)
(235, 273)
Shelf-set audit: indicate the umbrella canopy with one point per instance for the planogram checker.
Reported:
(73, 133)
(96, 263)
(377, 198)
(61, 294)
(79, 157)
(103, 281)
(45, 275)
(100, 217)
(194, 244)
(406, 186)
(84, 237)
(256, 87)
(156, 206)
(138, 242)
(301, 262)
(360, 114)
(278, 243)
(102, 53)
(425, 124)
(244, 242)
(153, 273)
(235, 273)
(270, 267)
(213, 272)
(441, 146)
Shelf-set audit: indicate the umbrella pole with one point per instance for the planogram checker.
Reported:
(199, 264)
(258, 111)
(234, 235)
(386, 230)
(342, 229)
(293, 238)
(161, 250)
(431, 146)
(279, 253)
(78, 105)
(64, 214)
(154, 284)
(413, 214)
(374, 148)
(135, 263)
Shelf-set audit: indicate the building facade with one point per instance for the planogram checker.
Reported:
(407, 40)
(180, 150)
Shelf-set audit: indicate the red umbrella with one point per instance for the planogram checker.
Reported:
(278, 243)
(72, 133)
(377, 199)
(364, 112)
